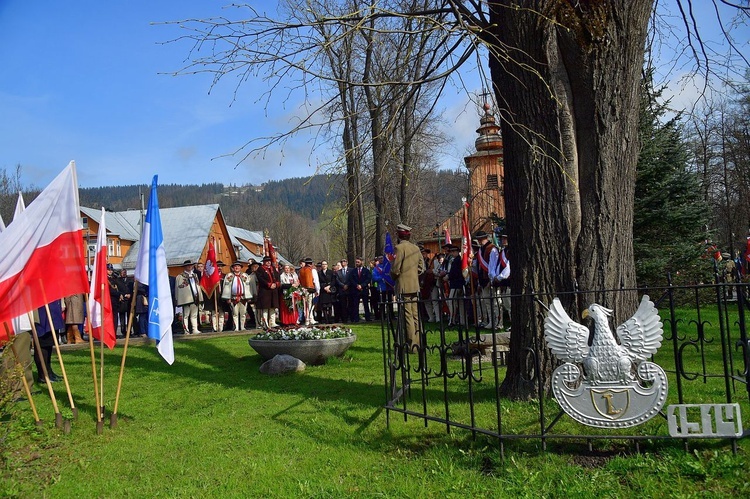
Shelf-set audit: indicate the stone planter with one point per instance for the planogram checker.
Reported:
(312, 352)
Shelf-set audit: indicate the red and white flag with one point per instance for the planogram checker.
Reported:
(210, 277)
(41, 252)
(100, 303)
(465, 239)
(447, 237)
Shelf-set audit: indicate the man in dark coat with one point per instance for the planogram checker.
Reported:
(358, 281)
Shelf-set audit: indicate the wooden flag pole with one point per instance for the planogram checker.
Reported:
(101, 360)
(23, 377)
(97, 402)
(38, 351)
(113, 416)
(62, 365)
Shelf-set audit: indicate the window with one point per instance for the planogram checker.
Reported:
(85, 222)
(110, 247)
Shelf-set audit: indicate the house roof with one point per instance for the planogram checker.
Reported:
(185, 232)
(185, 229)
(117, 224)
(252, 236)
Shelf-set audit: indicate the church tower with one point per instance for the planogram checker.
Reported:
(486, 175)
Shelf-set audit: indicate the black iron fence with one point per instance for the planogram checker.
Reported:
(453, 376)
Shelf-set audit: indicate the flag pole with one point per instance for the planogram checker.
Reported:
(101, 364)
(113, 416)
(99, 425)
(73, 407)
(38, 351)
(23, 376)
(60, 359)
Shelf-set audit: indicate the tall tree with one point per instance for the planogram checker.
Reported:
(670, 212)
(566, 74)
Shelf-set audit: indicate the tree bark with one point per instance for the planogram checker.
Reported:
(569, 109)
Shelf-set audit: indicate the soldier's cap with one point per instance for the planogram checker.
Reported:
(403, 228)
(481, 235)
(237, 262)
(219, 263)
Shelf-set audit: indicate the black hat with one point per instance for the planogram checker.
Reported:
(308, 260)
(219, 263)
(237, 262)
(188, 262)
(481, 235)
(454, 248)
(446, 245)
(425, 250)
(267, 259)
(110, 266)
(251, 261)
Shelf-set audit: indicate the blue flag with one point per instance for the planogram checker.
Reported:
(388, 255)
(151, 269)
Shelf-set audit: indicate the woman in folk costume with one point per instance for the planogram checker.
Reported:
(268, 294)
(288, 312)
(237, 292)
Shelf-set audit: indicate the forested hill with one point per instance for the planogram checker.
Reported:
(306, 195)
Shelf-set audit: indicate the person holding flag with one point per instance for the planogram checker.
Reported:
(405, 269)
(151, 270)
(210, 282)
(488, 257)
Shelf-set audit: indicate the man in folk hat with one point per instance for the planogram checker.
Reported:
(223, 309)
(405, 269)
(237, 293)
(500, 277)
(267, 300)
(189, 296)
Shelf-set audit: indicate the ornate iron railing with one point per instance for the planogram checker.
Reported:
(454, 377)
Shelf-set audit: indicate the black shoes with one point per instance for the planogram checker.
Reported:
(52, 376)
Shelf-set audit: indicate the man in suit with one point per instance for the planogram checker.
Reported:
(358, 281)
(343, 291)
(407, 265)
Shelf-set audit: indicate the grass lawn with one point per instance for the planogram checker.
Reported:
(212, 426)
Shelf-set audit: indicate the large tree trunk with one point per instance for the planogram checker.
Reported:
(569, 108)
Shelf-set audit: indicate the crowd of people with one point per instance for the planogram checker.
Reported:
(263, 295)
(249, 295)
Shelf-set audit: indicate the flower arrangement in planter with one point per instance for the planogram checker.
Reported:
(305, 333)
(294, 294)
(310, 344)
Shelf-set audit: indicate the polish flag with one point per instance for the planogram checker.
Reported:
(210, 277)
(100, 304)
(465, 240)
(447, 237)
(41, 252)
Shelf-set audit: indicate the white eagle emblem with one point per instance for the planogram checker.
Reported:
(606, 361)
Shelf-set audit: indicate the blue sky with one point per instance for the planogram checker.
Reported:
(81, 80)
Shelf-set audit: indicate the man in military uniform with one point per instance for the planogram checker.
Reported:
(407, 265)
